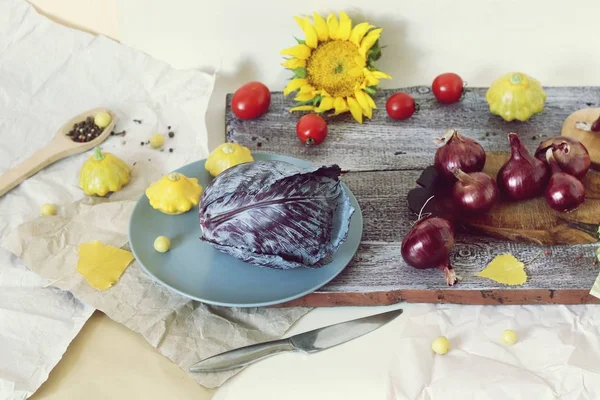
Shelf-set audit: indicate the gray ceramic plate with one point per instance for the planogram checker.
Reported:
(197, 270)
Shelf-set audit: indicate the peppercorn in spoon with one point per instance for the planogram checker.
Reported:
(82, 133)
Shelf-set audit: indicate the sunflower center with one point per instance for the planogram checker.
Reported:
(329, 68)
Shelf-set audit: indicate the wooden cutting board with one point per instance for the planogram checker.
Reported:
(385, 159)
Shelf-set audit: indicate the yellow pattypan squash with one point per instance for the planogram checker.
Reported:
(174, 193)
(516, 96)
(103, 173)
(226, 156)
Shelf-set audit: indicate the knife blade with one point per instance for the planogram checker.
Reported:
(307, 342)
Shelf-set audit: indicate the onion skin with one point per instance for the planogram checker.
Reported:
(474, 193)
(458, 151)
(428, 245)
(564, 192)
(522, 177)
(571, 155)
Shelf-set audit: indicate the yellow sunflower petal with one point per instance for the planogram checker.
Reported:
(304, 97)
(333, 26)
(294, 63)
(340, 105)
(362, 100)
(324, 93)
(321, 27)
(302, 108)
(360, 60)
(370, 101)
(294, 85)
(307, 89)
(372, 81)
(355, 109)
(345, 26)
(300, 51)
(369, 40)
(359, 32)
(326, 104)
(310, 34)
(355, 71)
(380, 75)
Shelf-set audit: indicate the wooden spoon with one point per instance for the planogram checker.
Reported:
(60, 147)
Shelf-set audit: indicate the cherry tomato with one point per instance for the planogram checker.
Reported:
(311, 129)
(400, 106)
(447, 88)
(251, 100)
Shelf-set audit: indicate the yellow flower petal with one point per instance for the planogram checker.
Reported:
(340, 105)
(359, 32)
(307, 89)
(326, 104)
(362, 100)
(324, 93)
(310, 34)
(360, 60)
(333, 26)
(380, 75)
(321, 27)
(355, 71)
(355, 109)
(370, 40)
(302, 108)
(300, 51)
(370, 101)
(294, 63)
(304, 97)
(294, 85)
(345, 26)
(372, 81)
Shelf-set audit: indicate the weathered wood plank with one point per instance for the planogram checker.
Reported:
(385, 159)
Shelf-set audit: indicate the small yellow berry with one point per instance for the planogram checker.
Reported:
(162, 244)
(157, 140)
(48, 209)
(102, 119)
(441, 345)
(509, 336)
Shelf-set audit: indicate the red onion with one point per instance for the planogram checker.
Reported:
(564, 192)
(458, 151)
(474, 193)
(571, 155)
(428, 245)
(522, 177)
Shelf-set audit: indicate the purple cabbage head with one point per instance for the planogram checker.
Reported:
(277, 215)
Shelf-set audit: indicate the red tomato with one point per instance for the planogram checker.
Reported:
(447, 88)
(400, 106)
(311, 129)
(251, 100)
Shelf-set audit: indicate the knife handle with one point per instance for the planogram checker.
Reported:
(243, 356)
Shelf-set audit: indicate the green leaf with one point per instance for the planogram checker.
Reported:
(316, 100)
(306, 103)
(371, 90)
(300, 41)
(299, 73)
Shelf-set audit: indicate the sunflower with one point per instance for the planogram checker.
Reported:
(334, 66)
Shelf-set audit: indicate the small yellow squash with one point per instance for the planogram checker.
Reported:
(174, 193)
(226, 156)
(516, 96)
(103, 173)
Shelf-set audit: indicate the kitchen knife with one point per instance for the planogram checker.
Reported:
(307, 342)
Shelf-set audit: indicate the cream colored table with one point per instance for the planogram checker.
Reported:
(107, 360)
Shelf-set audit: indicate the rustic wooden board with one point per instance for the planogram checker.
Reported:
(385, 158)
(590, 139)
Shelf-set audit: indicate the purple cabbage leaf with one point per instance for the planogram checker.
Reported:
(274, 214)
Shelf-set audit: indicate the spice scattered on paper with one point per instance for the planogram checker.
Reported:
(102, 265)
(505, 269)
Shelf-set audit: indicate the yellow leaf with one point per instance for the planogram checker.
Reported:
(355, 109)
(359, 32)
(304, 97)
(345, 26)
(294, 85)
(370, 40)
(505, 269)
(300, 51)
(321, 27)
(333, 26)
(310, 34)
(340, 105)
(302, 108)
(326, 104)
(102, 265)
(294, 63)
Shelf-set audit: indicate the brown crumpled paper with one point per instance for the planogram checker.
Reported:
(182, 330)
